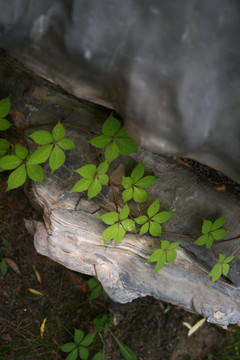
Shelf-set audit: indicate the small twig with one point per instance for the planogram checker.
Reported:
(214, 252)
(176, 234)
(220, 242)
(91, 133)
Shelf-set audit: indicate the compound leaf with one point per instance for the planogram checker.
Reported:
(17, 178)
(5, 106)
(78, 335)
(111, 152)
(139, 195)
(109, 218)
(41, 137)
(218, 234)
(146, 181)
(101, 141)
(126, 146)
(5, 124)
(155, 229)
(128, 225)
(141, 219)
(94, 188)
(102, 168)
(40, 155)
(21, 151)
(35, 172)
(111, 126)
(127, 194)
(137, 172)
(87, 171)
(206, 226)
(103, 179)
(153, 208)
(66, 144)
(124, 212)
(81, 185)
(57, 158)
(10, 162)
(162, 217)
(218, 223)
(110, 233)
(58, 132)
(144, 229)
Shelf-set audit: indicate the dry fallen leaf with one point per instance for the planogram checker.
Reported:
(12, 265)
(195, 327)
(35, 292)
(37, 274)
(221, 188)
(42, 327)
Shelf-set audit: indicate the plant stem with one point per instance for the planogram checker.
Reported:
(176, 234)
(220, 242)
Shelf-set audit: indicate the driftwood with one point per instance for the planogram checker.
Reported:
(70, 232)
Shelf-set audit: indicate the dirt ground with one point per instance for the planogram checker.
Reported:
(152, 329)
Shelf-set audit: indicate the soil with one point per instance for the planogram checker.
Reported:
(152, 329)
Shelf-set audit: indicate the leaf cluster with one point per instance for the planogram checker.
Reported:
(166, 253)
(96, 287)
(211, 231)
(79, 347)
(221, 268)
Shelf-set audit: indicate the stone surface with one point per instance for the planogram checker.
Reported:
(70, 232)
(170, 68)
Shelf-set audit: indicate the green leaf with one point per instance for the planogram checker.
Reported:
(137, 172)
(4, 144)
(83, 352)
(3, 267)
(171, 255)
(228, 259)
(10, 162)
(40, 155)
(209, 241)
(17, 178)
(21, 151)
(73, 355)
(101, 141)
(127, 194)
(139, 195)
(88, 339)
(164, 244)
(218, 223)
(128, 225)
(153, 208)
(81, 185)
(225, 269)
(95, 293)
(93, 282)
(127, 182)
(156, 255)
(144, 228)
(126, 146)
(216, 272)
(141, 219)
(110, 233)
(99, 356)
(78, 336)
(201, 240)
(58, 132)
(173, 245)
(68, 347)
(155, 229)
(109, 218)
(112, 152)
(5, 124)
(161, 262)
(56, 159)
(120, 235)
(87, 171)
(162, 217)
(102, 168)
(66, 144)
(5, 106)
(94, 188)
(122, 133)
(103, 179)
(124, 212)
(35, 172)
(206, 226)
(111, 126)
(41, 137)
(127, 353)
(221, 257)
(218, 234)
(146, 181)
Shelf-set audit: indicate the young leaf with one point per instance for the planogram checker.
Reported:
(228, 259)
(206, 226)
(146, 181)
(218, 223)
(126, 146)
(124, 212)
(141, 219)
(5, 106)
(104, 179)
(153, 208)
(101, 141)
(68, 347)
(225, 269)
(81, 185)
(137, 172)
(35, 172)
(139, 195)
(88, 339)
(5, 124)
(111, 126)
(128, 225)
(144, 229)
(10, 162)
(66, 144)
(164, 244)
(40, 155)
(155, 229)
(109, 218)
(162, 217)
(87, 171)
(209, 241)
(127, 353)
(56, 159)
(110, 233)
(218, 234)
(58, 132)
(173, 245)
(120, 235)
(78, 336)
(112, 152)
(17, 178)
(94, 188)
(127, 194)
(21, 151)
(41, 137)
